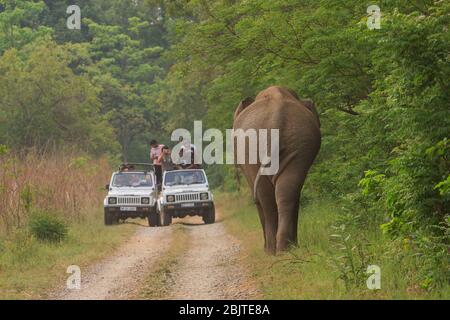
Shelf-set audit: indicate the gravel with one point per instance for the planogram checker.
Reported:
(208, 269)
(119, 276)
(211, 269)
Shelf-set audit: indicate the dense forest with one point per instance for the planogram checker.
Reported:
(138, 69)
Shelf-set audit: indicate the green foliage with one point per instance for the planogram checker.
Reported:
(42, 102)
(432, 249)
(47, 227)
(370, 184)
(115, 63)
(3, 150)
(19, 23)
(79, 162)
(444, 187)
(26, 198)
(125, 68)
(349, 257)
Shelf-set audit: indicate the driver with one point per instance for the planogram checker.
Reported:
(134, 180)
(189, 179)
(177, 179)
(197, 178)
(120, 180)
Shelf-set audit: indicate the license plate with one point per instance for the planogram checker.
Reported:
(187, 204)
(127, 208)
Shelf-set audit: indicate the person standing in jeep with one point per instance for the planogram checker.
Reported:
(187, 151)
(165, 159)
(155, 153)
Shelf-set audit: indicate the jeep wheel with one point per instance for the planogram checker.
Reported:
(153, 219)
(166, 217)
(210, 216)
(110, 218)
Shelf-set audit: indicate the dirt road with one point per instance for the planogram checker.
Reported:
(209, 267)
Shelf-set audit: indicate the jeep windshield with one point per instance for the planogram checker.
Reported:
(175, 178)
(132, 179)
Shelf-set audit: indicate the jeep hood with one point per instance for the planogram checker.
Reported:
(186, 188)
(130, 192)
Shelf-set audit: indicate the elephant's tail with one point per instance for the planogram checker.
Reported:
(255, 185)
(282, 166)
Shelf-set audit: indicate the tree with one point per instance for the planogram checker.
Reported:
(44, 104)
(19, 23)
(125, 70)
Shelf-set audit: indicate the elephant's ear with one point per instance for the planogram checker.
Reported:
(308, 103)
(242, 105)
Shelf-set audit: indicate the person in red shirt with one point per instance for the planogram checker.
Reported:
(155, 153)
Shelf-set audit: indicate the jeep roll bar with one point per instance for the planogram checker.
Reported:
(132, 166)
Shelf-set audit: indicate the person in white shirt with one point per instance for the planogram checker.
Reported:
(187, 151)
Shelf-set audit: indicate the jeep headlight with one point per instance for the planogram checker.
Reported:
(170, 198)
(204, 196)
(145, 200)
(112, 200)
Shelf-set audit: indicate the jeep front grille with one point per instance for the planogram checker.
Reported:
(187, 197)
(128, 200)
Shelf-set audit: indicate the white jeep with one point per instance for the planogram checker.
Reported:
(185, 192)
(132, 193)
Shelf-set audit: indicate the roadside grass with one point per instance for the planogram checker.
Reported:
(32, 269)
(159, 278)
(320, 268)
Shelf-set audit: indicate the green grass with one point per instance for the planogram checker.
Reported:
(32, 269)
(310, 271)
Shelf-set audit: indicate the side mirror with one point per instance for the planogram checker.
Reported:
(107, 187)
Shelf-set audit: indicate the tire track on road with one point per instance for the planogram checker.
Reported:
(210, 268)
(120, 275)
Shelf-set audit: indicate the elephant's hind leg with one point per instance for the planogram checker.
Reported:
(287, 193)
(266, 199)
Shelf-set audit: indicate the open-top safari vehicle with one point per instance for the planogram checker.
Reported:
(185, 192)
(132, 193)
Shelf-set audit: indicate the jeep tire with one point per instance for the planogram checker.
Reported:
(153, 219)
(166, 217)
(210, 216)
(110, 218)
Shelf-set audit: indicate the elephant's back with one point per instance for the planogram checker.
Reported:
(298, 126)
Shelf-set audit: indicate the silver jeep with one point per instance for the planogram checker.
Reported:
(132, 193)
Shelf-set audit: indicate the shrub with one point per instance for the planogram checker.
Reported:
(3, 149)
(47, 227)
(351, 255)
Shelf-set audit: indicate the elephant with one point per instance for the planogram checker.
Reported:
(277, 196)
